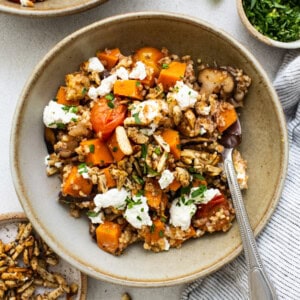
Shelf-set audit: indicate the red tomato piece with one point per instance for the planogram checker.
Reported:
(105, 117)
(205, 210)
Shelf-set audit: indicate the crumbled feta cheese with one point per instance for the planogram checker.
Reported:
(95, 65)
(47, 158)
(204, 110)
(167, 245)
(113, 197)
(58, 164)
(184, 95)
(139, 71)
(26, 3)
(98, 218)
(206, 196)
(202, 130)
(83, 170)
(181, 214)
(137, 213)
(56, 114)
(104, 88)
(149, 131)
(150, 111)
(166, 179)
(122, 73)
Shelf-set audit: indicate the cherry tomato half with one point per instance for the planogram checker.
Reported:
(206, 210)
(106, 116)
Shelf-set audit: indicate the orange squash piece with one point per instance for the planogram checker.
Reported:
(128, 88)
(109, 57)
(174, 72)
(226, 118)
(172, 138)
(110, 182)
(99, 153)
(175, 185)
(150, 56)
(107, 236)
(74, 185)
(62, 99)
(153, 193)
(156, 232)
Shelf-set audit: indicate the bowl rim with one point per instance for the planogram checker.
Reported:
(33, 12)
(263, 38)
(14, 217)
(15, 171)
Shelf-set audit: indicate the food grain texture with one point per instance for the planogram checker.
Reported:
(25, 264)
(135, 141)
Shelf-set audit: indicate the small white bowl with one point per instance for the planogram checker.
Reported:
(261, 37)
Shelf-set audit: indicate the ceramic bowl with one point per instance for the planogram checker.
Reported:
(49, 8)
(260, 36)
(8, 230)
(264, 146)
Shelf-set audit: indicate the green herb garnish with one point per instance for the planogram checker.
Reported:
(115, 149)
(92, 148)
(277, 19)
(199, 191)
(137, 118)
(165, 66)
(92, 214)
(84, 91)
(144, 151)
(137, 179)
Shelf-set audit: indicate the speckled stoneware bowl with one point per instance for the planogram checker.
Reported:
(8, 230)
(49, 8)
(260, 36)
(264, 146)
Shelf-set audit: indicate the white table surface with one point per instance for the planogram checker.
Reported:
(24, 41)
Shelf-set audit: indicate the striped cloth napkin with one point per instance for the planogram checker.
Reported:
(279, 242)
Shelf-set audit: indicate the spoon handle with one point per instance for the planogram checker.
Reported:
(260, 286)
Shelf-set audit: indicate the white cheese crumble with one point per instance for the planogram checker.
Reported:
(202, 130)
(150, 111)
(47, 158)
(83, 170)
(167, 244)
(206, 196)
(204, 110)
(104, 88)
(26, 3)
(122, 73)
(113, 197)
(184, 95)
(55, 114)
(98, 218)
(137, 212)
(166, 179)
(181, 214)
(149, 131)
(139, 71)
(95, 65)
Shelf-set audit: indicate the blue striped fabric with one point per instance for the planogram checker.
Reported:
(279, 242)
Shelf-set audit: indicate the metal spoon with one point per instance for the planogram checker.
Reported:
(260, 286)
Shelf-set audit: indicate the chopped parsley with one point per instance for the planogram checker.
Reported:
(84, 91)
(157, 151)
(152, 228)
(92, 214)
(137, 179)
(199, 192)
(115, 149)
(137, 118)
(277, 19)
(70, 109)
(82, 168)
(138, 83)
(144, 151)
(165, 66)
(110, 100)
(198, 176)
(92, 148)
(139, 218)
(161, 233)
(131, 203)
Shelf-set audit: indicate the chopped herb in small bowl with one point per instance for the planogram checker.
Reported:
(274, 22)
